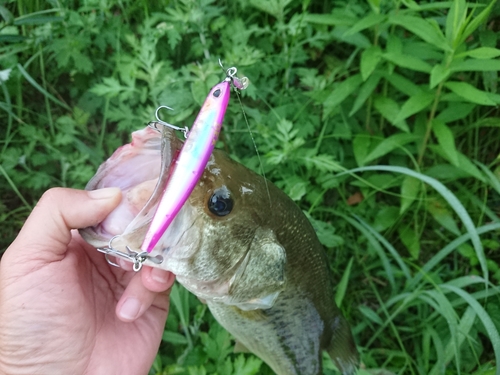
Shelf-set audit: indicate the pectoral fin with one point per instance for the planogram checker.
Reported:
(261, 276)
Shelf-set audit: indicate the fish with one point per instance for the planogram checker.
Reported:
(238, 243)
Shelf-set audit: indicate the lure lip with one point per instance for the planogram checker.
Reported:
(187, 168)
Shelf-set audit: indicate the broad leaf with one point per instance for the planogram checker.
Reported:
(369, 60)
(389, 144)
(414, 104)
(411, 241)
(409, 192)
(470, 93)
(369, 21)
(446, 140)
(473, 65)
(438, 74)
(341, 92)
(423, 29)
(409, 62)
(365, 91)
(389, 109)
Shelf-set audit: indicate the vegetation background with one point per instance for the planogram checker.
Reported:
(382, 116)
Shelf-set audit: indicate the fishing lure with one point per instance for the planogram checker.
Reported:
(193, 157)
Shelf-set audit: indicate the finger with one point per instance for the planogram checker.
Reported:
(48, 229)
(136, 299)
(124, 265)
(156, 279)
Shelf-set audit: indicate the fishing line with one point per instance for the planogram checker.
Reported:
(255, 146)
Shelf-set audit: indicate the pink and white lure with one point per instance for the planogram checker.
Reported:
(193, 157)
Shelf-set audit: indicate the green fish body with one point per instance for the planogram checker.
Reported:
(241, 245)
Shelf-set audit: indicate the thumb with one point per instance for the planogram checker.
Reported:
(47, 230)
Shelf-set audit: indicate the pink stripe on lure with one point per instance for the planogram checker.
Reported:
(191, 162)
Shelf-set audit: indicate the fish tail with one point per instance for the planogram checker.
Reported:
(342, 348)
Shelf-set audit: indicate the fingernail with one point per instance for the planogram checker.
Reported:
(103, 193)
(130, 309)
(159, 275)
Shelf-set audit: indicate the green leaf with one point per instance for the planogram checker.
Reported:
(477, 21)
(414, 104)
(472, 65)
(110, 87)
(411, 241)
(360, 146)
(369, 60)
(452, 200)
(330, 19)
(438, 74)
(370, 315)
(341, 92)
(443, 216)
(365, 91)
(464, 164)
(446, 140)
(174, 338)
(40, 88)
(385, 218)
(6, 15)
(375, 5)
(470, 93)
(323, 162)
(455, 21)
(359, 40)
(246, 366)
(492, 179)
(409, 192)
(389, 144)
(455, 111)
(344, 281)
(275, 8)
(402, 84)
(423, 29)
(34, 19)
(390, 109)
(408, 62)
(371, 20)
(480, 53)
(483, 316)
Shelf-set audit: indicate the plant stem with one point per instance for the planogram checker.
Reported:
(103, 124)
(429, 124)
(47, 103)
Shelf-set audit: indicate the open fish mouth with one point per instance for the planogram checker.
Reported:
(141, 170)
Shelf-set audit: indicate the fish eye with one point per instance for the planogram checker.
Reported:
(221, 203)
(217, 93)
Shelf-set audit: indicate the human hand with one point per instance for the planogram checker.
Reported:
(63, 308)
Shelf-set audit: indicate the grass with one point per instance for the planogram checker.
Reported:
(379, 118)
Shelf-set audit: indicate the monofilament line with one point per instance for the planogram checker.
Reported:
(255, 146)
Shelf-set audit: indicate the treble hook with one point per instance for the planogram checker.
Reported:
(138, 258)
(184, 130)
(239, 83)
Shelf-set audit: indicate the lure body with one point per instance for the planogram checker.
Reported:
(190, 163)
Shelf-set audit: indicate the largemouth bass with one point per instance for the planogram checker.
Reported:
(238, 243)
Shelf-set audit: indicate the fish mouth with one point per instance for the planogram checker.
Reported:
(141, 170)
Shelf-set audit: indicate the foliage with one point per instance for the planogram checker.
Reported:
(381, 115)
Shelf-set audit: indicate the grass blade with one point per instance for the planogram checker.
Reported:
(41, 89)
(448, 196)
